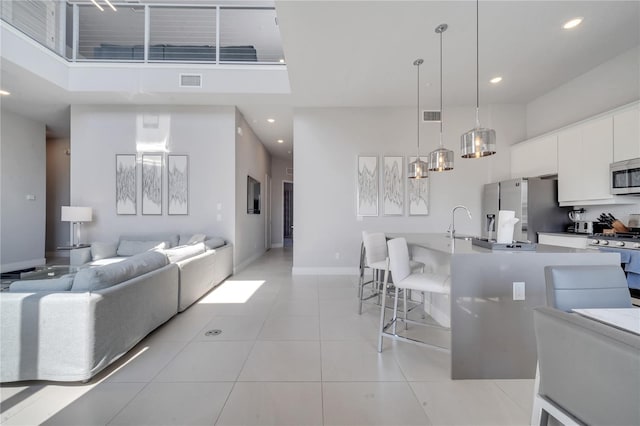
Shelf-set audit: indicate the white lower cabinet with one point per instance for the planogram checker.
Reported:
(584, 154)
(571, 241)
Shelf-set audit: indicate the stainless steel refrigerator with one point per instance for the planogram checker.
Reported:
(535, 202)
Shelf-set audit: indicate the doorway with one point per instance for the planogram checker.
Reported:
(287, 213)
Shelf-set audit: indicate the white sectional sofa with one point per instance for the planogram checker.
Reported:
(72, 327)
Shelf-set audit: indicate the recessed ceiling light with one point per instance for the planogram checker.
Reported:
(271, 120)
(4, 93)
(280, 141)
(572, 23)
(282, 60)
(496, 80)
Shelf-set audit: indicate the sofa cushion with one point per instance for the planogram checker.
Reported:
(179, 253)
(62, 283)
(131, 248)
(187, 239)
(100, 250)
(100, 277)
(155, 236)
(213, 243)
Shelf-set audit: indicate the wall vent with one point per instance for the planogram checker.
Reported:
(289, 171)
(431, 116)
(190, 80)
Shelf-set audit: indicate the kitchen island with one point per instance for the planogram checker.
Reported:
(492, 335)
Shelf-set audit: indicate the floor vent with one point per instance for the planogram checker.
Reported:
(431, 116)
(214, 332)
(190, 80)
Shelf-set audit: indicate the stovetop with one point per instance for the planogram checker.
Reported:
(626, 240)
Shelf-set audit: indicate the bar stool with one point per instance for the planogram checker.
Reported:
(404, 279)
(373, 255)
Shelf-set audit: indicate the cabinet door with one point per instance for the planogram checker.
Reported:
(626, 134)
(570, 165)
(597, 155)
(537, 157)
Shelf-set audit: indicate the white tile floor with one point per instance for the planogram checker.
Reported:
(294, 353)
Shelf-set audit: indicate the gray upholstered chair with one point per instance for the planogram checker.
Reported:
(589, 371)
(586, 286)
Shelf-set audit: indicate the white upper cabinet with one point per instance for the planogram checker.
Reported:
(626, 134)
(535, 157)
(584, 154)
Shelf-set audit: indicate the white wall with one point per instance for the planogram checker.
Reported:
(279, 175)
(58, 162)
(609, 85)
(328, 140)
(251, 159)
(206, 134)
(23, 165)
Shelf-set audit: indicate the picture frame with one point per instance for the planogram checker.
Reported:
(367, 186)
(417, 195)
(393, 185)
(126, 184)
(152, 184)
(178, 184)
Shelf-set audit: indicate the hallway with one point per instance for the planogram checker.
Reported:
(292, 351)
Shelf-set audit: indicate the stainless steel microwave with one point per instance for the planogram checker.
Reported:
(625, 177)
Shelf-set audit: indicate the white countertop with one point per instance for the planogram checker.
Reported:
(565, 234)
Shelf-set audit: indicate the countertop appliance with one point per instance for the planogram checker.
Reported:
(625, 177)
(535, 202)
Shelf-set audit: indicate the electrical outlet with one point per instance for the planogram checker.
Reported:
(337, 255)
(518, 290)
(30, 197)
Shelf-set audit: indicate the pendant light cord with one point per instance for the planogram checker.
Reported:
(418, 109)
(477, 64)
(441, 88)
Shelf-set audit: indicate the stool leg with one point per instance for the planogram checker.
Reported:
(395, 310)
(404, 294)
(382, 306)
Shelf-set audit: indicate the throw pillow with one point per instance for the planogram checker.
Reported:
(176, 254)
(197, 238)
(100, 250)
(214, 243)
(130, 248)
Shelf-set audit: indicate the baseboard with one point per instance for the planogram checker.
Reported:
(240, 266)
(16, 266)
(277, 245)
(305, 270)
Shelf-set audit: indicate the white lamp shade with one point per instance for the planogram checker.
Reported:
(76, 214)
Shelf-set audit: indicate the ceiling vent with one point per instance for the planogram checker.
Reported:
(190, 80)
(431, 116)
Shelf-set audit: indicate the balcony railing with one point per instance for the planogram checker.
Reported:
(150, 33)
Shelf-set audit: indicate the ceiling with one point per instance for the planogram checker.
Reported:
(360, 54)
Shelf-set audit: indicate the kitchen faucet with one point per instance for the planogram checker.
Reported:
(453, 219)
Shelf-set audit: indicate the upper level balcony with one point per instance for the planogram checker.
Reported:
(150, 32)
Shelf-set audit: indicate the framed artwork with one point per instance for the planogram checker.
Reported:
(152, 184)
(367, 186)
(393, 185)
(126, 180)
(178, 184)
(418, 195)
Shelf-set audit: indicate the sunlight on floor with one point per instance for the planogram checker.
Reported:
(233, 291)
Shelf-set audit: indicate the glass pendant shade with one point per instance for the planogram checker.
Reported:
(478, 142)
(440, 160)
(418, 169)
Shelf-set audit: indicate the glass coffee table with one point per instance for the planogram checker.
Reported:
(48, 271)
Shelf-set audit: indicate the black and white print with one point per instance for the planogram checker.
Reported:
(418, 194)
(367, 186)
(152, 184)
(393, 198)
(126, 184)
(178, 177)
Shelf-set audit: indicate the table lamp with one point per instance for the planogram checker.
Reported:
(76, 215)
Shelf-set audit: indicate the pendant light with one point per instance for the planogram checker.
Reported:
(441, 159)
(478, 142)
(418, 168)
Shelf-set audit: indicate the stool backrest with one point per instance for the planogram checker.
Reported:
(586, 286)
(375, 247)
(399, 259)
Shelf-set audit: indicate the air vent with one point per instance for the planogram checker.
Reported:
(289, 171)
(190, 80)
(431, 116)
